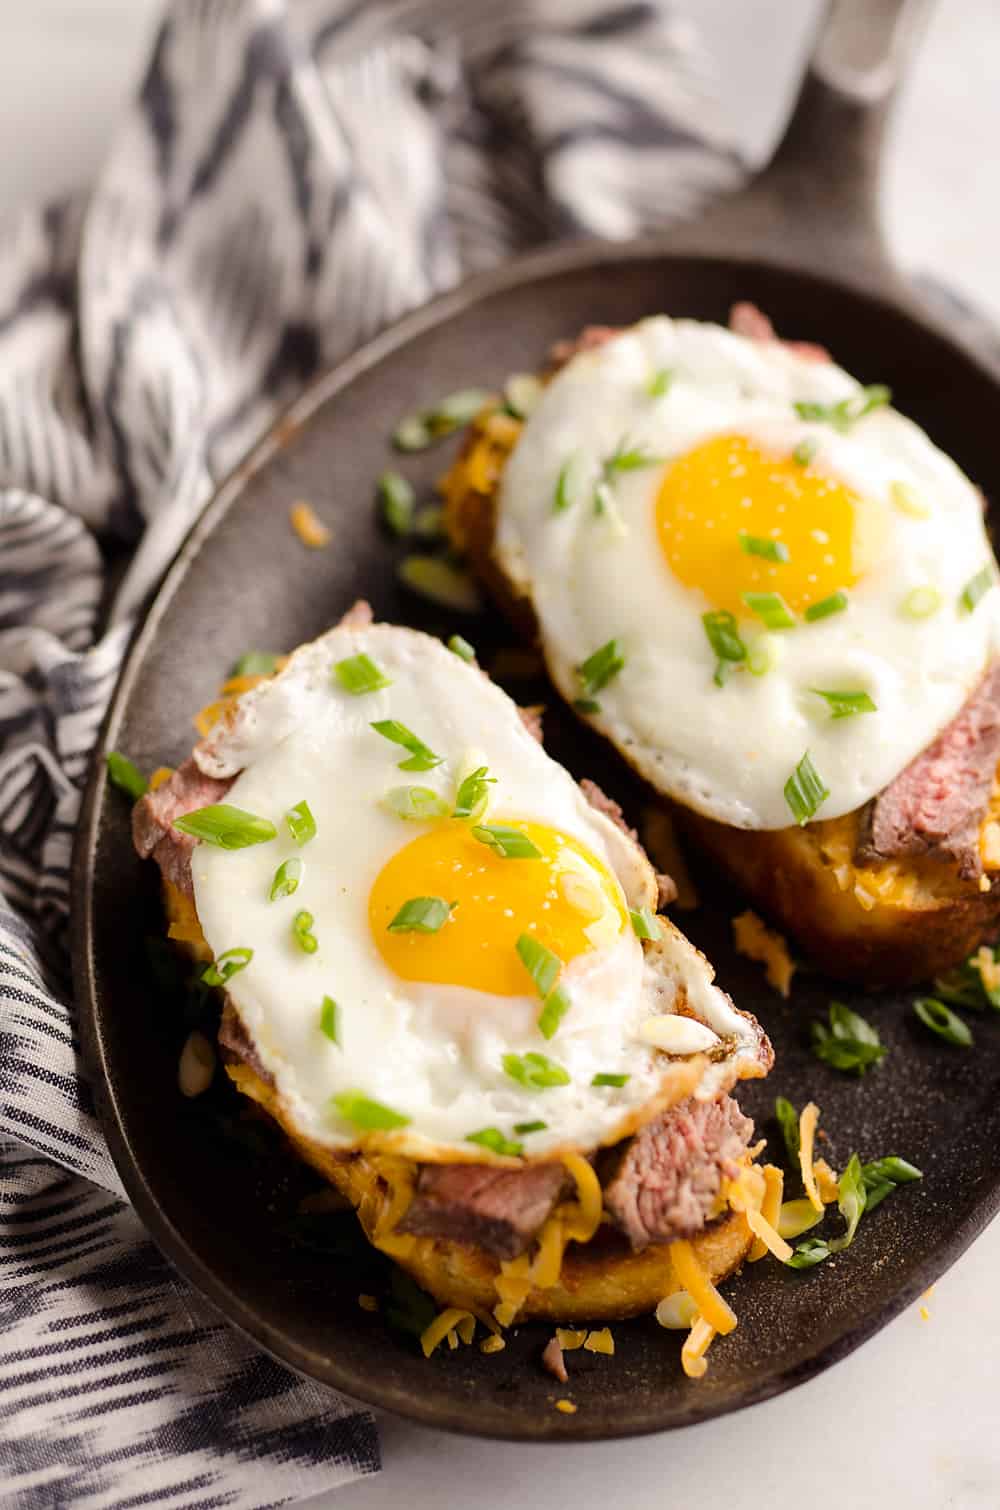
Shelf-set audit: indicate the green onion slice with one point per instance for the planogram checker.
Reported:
(286, 879)
(562, 499)
(809, 1253)
(359, 674)
(604, 1078)
(255, 663)
(835, 603)
(846, 704)
(530, 1127)
(509, 843)
(522, 391)
(628, 458)
(473, 794)
(301, 823)
(418, 431)
(422, 758)
(226, 826)
(852, 1198)
(412, 434)
(460, 646)
(418, 804)
(302, 933)
(759, 545)
(920, 603)
(943, 1021)
(398, 502)
(645, 923)
(788, 1121)
(329, 1020)
(976, 588)
(804, 791)
(439, 582)
(600, 668)
(586, 705)
(660, 383)
(723, 636)
(848, 411)
(369, 1115)
(225, 966)
(771, 608)
(541, 964)
(850, 1043)
(554, 1009)
(536, 1072)
(421, 915)
(493, 1139)
(126, 776)
(805, 451)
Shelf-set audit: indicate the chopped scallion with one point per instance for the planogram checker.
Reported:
(301, 823)
(835, 603)
(126, 776)
(597, 671)
(645, 923)
(943, 1021)
(605, 1078)
(724, 638)
(804, 791)
(302, 925)
(493, 1139)
(522, 391)
(286, 879)
(473, 794)
(771, 608)
(977, 587)
(417, 804)
(848, 411)
(398, 502)
(562, 498)
(329, 1020)
(536, 1072)
(846, 704)
(255, 663)
(460, 646)
(541, 964)
(226, 965)
(369, 1115)
(759, 545)
(439, 582)
(529, 1127)
(920, 603)
(849, 1044)
(509, 843)
(421, 915)
(660, 382)
(805, 451)
(226, 826)
(418, 431)
(788, 1121)
(554, 1009)
(359, 674)
(421, 757)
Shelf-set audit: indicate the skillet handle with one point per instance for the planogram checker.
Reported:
(816, 203)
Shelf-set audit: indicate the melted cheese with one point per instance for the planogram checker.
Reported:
(706, 1297)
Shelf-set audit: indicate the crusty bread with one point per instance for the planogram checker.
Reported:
(889, 924)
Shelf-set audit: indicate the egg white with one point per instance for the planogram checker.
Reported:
(727, 752)
(433, 1053)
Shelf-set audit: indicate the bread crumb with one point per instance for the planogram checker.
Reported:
(309, 527)
(757, 942)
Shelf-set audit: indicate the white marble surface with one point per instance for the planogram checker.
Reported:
(910, 1419)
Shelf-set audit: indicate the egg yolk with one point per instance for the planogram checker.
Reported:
(567, 899)
(729, 486)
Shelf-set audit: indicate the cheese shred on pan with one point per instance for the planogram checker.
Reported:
(807, 1137)
(442, 1325)
(695, 1347)
(711, 1306)
(764, 1223)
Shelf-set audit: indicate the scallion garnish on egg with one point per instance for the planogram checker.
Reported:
(846, 704)
(521, 1128)
(286, 879)
(541, 964)
(804, 791)
(226, 826)
(359, 674)
(724, 638)
(660, 383)
(329, 1020)
(228, 964)
(759, 545)
(473, 794)
(921, 603)
(126, 776)
(301, 823)
(421, 757)
(805, 451)
(421, 915)
(417, 804)
(302, 926)
(771, 609)
(536, 1072)
(645, 923)
(509, 843)
(363, 1112)
(554, 1009)
(848, 411)
(627, 457)
(493, 1139)
(607, 1078)
(976, 587)
(255, 663)
(562, 497)
(596, 672)
(835, 603)
(460, 646)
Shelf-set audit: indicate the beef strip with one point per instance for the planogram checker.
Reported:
(237, 1046)
(553, 1360)
(662, 1183)
(153, 816)
(747, 320)
(602, 803)
(937, 805)
(484, 1205)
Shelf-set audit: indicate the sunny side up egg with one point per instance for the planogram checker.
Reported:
(459, 986)
(682, 471)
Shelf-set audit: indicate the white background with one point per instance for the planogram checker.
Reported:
(911, 1419)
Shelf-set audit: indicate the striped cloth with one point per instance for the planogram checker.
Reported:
(289, 178)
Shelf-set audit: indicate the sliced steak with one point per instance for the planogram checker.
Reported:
(589, 339)
(531, 717)
(237, 1046)
(937, 805)
(153, 833)
(745, 319)
(484, 1206)
(662, 1183)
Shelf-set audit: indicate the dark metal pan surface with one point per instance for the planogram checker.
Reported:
(225, 1213)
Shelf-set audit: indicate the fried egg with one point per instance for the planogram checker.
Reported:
(681, 471)
(449, 986)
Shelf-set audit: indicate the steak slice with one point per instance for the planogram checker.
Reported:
(662, 1183)
(153, 833)
(237, 1045)
(936, 806)
(483, 1205)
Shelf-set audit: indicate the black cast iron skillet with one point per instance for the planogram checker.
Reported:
(801, 243)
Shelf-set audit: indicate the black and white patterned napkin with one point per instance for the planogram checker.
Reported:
(293, 175)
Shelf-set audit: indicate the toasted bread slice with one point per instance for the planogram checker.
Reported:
(890, 923)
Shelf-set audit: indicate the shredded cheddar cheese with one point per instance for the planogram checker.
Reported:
(696, 1345)
(545, 1269)
(492, 1344)
(160, 775)
(767, 1216)
(568, 1340)
(807, 1133)
(584, 1220)
(440, 1327)
(309, 527)
(600, 1342)
(757, 942)
(206, 718)
(711, 1306)
(368, 1302)
(796, 1217)
(567, 1407)
(826, 1181)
